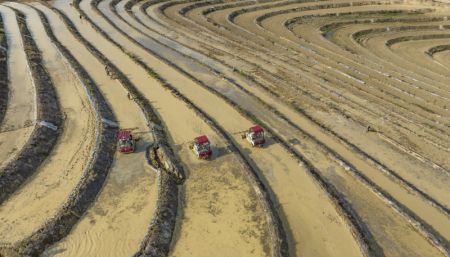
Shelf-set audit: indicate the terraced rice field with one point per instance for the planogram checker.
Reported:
(353, 97)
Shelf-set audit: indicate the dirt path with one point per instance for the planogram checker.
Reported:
(20, 113)
(124, 207)
(184, 125)
(45, 192)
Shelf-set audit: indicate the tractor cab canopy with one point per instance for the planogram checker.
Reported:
(256, 129)
(202, 146)
(124, 135)
(256, 135)
(202, 143)
(125, 141)
(256, 132)
(202, 140)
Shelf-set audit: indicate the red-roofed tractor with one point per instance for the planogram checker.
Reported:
(255, 135)
(126, 142)
(202, 147)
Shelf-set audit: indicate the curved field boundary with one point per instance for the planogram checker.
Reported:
(95, 173)
(288, 50)
(335, 25)
(159, 236)
(394, 142)
(232, 16)
(437, 49)
(337, 198)
(357, 36)
(274, 13)
(274, 4)
(411, 217)
(253, 79)
(363, 155)
(394, 41)
(353, 147)
(374, 162)
(362, 35)
(277, 233)
(44, 137)
(434, 143)
(4, 89)
(400, 180)
(155, 123)
(294, 21)
(163, 222)
(226, 6)
(443, 131)
(427, 231)
(394, 96)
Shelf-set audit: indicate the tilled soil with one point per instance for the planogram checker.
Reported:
(353, 97)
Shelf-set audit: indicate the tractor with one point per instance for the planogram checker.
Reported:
(126, 142)
(202, 147)
(255, 135)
